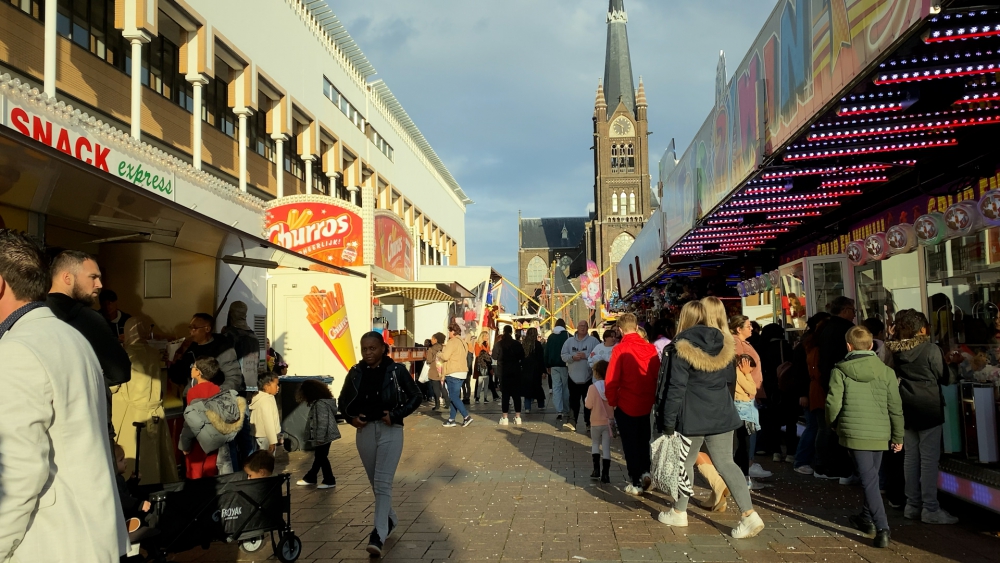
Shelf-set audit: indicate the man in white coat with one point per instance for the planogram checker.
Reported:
(58, 499)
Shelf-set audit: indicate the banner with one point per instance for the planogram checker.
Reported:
(590, 285)
(393, 245)
(314, 226)
(326, 311)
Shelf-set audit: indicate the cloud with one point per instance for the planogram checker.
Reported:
(504, 91)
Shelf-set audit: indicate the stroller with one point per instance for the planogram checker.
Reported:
(230, 508)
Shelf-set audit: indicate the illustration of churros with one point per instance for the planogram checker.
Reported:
(296, 220)
(326, 311)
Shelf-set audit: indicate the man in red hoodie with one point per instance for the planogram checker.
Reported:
(631, 389)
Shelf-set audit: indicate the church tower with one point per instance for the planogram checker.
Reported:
(622, 198)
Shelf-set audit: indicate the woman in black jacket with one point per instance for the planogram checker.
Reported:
(377, 395)
(699, 405)
(532, 368)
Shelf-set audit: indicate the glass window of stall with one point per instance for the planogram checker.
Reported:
(963, 298)
(887, 286)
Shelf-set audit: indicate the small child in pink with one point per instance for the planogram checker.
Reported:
(600, 430)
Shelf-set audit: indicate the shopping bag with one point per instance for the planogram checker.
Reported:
(669, 454)
(425, 373)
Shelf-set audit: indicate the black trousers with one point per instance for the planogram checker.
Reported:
(321, 463)
(742, 454)
(635, 432)
(511, 390)
(577, 397)
(867, 464)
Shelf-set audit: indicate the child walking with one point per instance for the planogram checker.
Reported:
(321, 431)
(264, 413)
(864, 407)
(600, 430)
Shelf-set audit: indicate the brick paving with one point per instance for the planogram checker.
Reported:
(492, 493)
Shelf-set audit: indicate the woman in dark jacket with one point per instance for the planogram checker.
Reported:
(532, 368)
(920, 368)
(377, 395)
(783, 404)
(699, 405)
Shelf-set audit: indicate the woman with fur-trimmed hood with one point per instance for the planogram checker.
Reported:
(699, 405)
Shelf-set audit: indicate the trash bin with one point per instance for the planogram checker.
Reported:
(295, 415)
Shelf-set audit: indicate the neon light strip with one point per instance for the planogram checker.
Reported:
(798, 215)
(778, 208)
(736, 236)
(852, 182)
(907, 118)
(962, 33)
(693, 252)
(796, 197)
(877, 138)
(872, 149)
(723, 221)
(866, 109)
(945, 71)
(741, 228)
(976, 493)
(854, 168)
(765, 190)
(977, 97)
(906, 128)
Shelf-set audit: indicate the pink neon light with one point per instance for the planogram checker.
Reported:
(724, 221)
(765, 190)
(798, 215)
(978, 97)
(974, 32)
(872, 149)
(784, 198)
(779, 208)
(737, 236)
(852, 182)
(904, 128)
(872, 108)
(950, 71)
(747, 227)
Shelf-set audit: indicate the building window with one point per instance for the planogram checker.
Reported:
(257, 138)
(619, 247)
(623, 158)
(631, 202)
(91, 25)
(614, 202)
(536, 270)
(338, 190)
(216, 110)
(294, 164)
(160, 72)
(623, 206)
(338, 99)
(381, 144)
(34, 8)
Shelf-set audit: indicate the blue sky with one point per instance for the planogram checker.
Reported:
(504, 91)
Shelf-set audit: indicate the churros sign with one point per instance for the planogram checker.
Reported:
(327, 232)
(393, 245)
(326, 311)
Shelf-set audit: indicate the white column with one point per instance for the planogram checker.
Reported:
(332, 176)
(137, 41)
(353, 190)
(242, 114)
(308, 159)
(198, 83)
(51, 45)
(279, 153)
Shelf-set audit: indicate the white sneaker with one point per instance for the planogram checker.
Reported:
(517, 420)
(631, 489)
(852, 480)
(569, 427)
(673, 518)
(303, 483)
(776, 458)
(804, 469)
(939, 516)
(504, 421)
(789, 459)
(756, 485)
(758, 472)
(527, 411)
(325, 486)
(748, 527)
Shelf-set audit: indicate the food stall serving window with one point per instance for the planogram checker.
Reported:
(887, 286)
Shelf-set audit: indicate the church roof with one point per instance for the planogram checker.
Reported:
(563, 285)
(547, 232)
(618, 83)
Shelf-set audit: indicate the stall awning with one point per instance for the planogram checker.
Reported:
(393, 293)
(99, 207)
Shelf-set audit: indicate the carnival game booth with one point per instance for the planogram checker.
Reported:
(170, 240)
(866, 167)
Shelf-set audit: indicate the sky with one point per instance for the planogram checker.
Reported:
(504, 91)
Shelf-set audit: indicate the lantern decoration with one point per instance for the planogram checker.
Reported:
(931, 228)
(764, 283)
(857, 255)
(741, 289)
(989, 208)
(877, 246)
(901, 239)
(775, 277)
(752, 284)
(963, 218)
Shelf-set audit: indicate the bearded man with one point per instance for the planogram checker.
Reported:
(76, 285)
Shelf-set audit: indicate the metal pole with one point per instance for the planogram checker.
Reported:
(578, 294)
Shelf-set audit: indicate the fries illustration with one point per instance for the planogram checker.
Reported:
(326, 311)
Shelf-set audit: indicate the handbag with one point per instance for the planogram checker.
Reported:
(425, 373)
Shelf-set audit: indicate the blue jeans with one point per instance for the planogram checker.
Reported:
(807, 443)
(560, 389)
(455, 396)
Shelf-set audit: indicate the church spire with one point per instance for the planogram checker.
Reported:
(618, 83)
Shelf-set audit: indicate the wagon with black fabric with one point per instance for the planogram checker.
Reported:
(228, 509)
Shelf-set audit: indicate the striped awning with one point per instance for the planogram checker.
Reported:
(392, 293)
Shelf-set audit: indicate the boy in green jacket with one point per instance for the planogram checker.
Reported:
(864, 406)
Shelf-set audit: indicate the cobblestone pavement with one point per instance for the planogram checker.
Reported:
(492, 493)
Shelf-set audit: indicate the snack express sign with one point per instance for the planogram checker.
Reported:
(74, 141)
